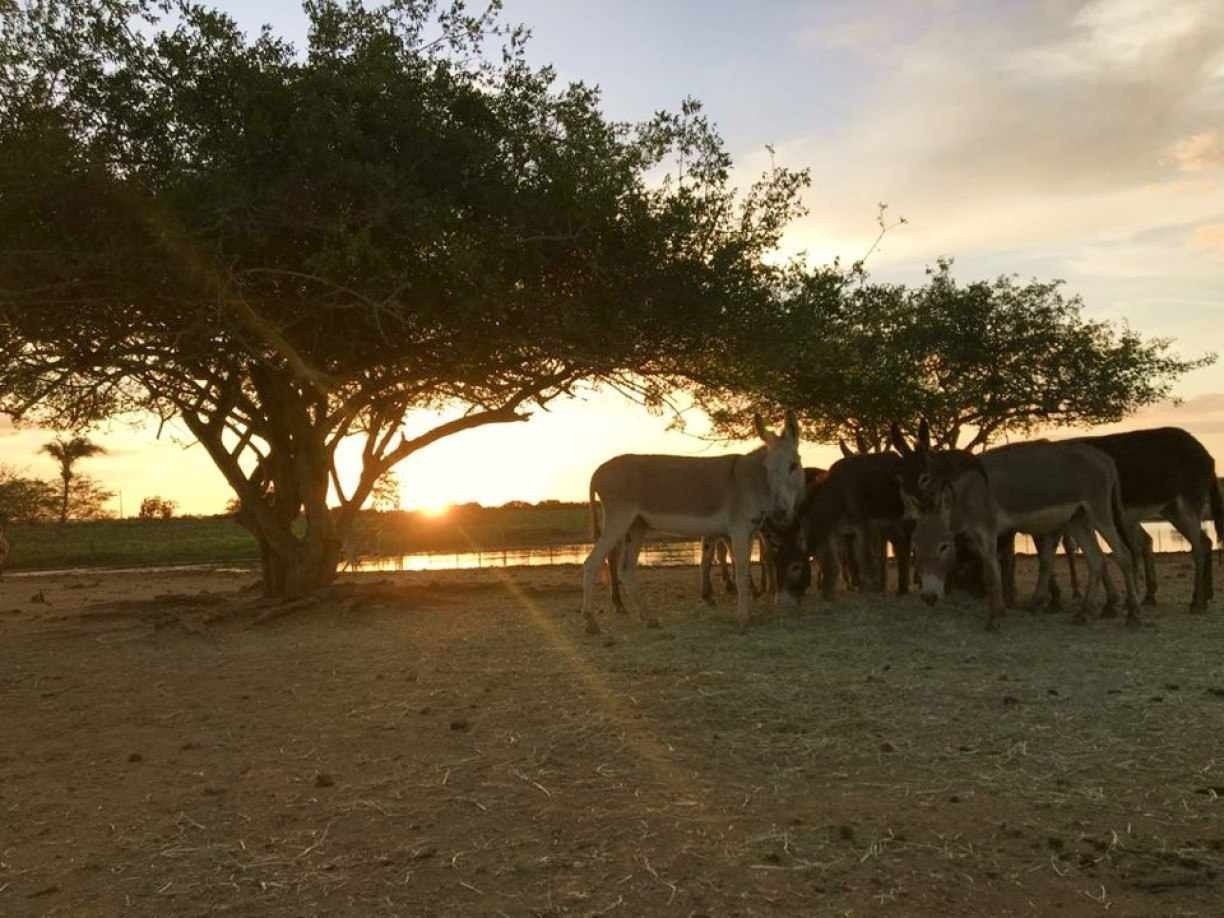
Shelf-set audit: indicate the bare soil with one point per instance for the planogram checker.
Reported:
(454, 744)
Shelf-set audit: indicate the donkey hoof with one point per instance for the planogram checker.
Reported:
(652, 623)
(1080, 618)
(620, 610)
(1109, 611)
(1149, 600)
(1133, 621)
(592, 627)
(1198, 608)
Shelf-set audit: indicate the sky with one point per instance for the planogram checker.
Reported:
(1051, 139)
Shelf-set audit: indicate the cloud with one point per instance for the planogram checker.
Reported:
(1199, 152)
(1030, 121)
(1209, 238)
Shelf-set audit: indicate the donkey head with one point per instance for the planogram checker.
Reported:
(918, 470)
(783, 470)
(934, 542)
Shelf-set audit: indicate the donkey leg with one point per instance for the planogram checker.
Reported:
(707, 561)
(724, 566)
(1110, 609)
(1142, 542)
(1006, 549)
(1186, 522)
(1208, 576)
(1124, 560)
(830, 565)
(902, 549)
(1046, 544)
(1085, 537)
(1072, 574)
(769, 569)
(615, 528)
(741, 548)
(629, 568)
(864, 556)
(615, 561)
(987, 546)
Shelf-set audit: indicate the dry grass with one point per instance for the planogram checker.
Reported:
(453, 744)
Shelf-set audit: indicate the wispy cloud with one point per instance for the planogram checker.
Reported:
(1209, 238)
(1199, 152)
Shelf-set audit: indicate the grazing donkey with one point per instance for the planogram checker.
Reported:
(716, 549)
(1039, 488)
(1163, 472)
(859, 494)
(1166, 472)
(694, 496)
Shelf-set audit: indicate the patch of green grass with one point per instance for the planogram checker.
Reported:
(219, 540)
(129, 543)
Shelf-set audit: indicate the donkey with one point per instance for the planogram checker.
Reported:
(694, 496)
(1166, 472)
(1039, 488)
(716, 549)
(859, 494)
(1163, 472)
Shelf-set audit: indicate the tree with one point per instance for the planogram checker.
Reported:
(26, 500)
(979, 361)
(68, 453)
(157, 508)
(87, 499)
(385, 495)
(287, 250)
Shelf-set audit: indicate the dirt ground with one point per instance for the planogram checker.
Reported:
(454, 744)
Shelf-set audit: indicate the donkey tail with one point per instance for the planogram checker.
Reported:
(1217, 509)
(596, 528)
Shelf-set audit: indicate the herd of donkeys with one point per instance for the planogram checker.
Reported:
(951, 514)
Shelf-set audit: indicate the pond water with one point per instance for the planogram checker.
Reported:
(659, 554)
(664, 554)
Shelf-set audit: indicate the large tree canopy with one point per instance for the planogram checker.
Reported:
(286, 248)
(979, 361)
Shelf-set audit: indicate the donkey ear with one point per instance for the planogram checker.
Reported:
(761, 430)
(924, 435)
(898, 441)
(910, 508)
(845, 449)
(945, 500)
(791, 427)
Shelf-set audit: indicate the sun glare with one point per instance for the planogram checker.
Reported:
(434, 511)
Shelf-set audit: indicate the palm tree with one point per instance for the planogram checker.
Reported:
(67, 453)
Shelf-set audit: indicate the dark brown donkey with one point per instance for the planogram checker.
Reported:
(860, 494)
(1166, 473)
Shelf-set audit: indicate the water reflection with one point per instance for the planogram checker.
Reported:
(662, 554)
(666, 554)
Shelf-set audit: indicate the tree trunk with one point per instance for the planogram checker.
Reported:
(67, 479)
(293, 564)
(310, 563)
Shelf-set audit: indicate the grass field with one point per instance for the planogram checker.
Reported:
(454, 744)
(133, 543)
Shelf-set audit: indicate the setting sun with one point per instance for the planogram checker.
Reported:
(434, 510)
